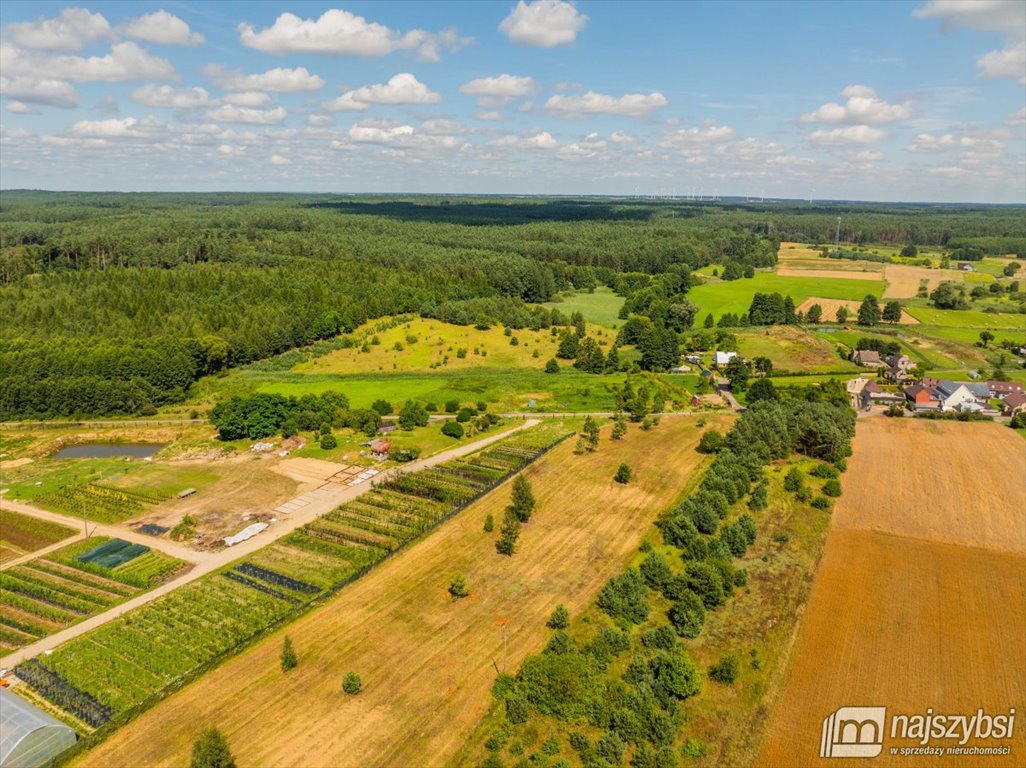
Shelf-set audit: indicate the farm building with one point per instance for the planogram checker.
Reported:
(722, 358)
(922, 398)
(899, 367)
(1013, 404)
(855, 387)
(867, 357)
(28, 736)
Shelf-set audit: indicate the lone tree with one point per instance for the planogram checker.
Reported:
(588, 441)
(623, 474)
(352, 684)
(210, 750)
(815, 314)
(619, 427)
(489, 523)
(869, 311)
(289, 660)
(508, 534)
(842, 314)
(985, 338)
(560, 618)
(552, 366)
(458, 587)
(892, 312)
(523, 499)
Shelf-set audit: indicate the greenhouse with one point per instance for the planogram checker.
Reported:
(28, 736)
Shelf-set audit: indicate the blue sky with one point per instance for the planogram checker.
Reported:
(865, 100)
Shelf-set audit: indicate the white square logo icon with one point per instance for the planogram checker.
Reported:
(853, 732)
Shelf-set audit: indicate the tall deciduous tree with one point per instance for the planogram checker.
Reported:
(210, 750)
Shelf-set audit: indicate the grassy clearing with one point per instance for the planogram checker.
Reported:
(21, 534)
(507, 390)
(793, 349)
(736, 296)
(601, 307)
(968, 318)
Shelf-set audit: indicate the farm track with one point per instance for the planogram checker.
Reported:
(427, 662)
(207, 562)
(920, 598)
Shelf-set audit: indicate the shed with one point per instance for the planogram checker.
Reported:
(187, 492)
(29, 737)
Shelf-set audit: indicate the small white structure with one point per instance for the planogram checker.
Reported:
(246, 533)
(855, 387)
(722, 358)
(29, 737)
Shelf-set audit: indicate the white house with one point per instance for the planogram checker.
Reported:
(722, 358)
(855, 387)
(953, 394)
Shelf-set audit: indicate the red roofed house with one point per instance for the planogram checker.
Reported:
(922, 398)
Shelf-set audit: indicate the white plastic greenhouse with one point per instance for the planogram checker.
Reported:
(29, 737)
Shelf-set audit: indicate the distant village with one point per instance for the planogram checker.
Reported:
(987, 398)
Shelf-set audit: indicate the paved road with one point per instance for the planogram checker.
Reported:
(205, 562)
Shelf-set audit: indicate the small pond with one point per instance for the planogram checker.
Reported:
(107, 450)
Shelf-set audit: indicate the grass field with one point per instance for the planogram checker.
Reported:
(968, 318)
(920, 600)
(21, 534)
(793, 349)
(736, 295)
(601, 307)
(398, 627)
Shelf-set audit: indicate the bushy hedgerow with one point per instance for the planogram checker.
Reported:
(623, 597)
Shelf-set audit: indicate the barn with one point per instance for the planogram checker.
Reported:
(29, 737)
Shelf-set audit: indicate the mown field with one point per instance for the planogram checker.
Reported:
(43, 596)
(601, 307)
(21, 534)
(398, 627)
(793, 349)
(736, 295)
(920, 600)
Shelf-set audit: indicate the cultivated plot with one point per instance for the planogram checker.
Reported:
(920, 600)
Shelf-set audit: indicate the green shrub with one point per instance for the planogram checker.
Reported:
(793, 480)
(458, 587)
(489, 523)
(821, 502)
(560, 618)
(289, 660)
(452, 429)
(662, 637)
(688, 614)
(210, 750)
(623, 597)
(352, 684)
(503, 686)
(803, 494)
(623, 474)
(451, 406)
(706, 581)
(328, 442)
(725, 671)
(693, 748)
(464, 415)
(832, 488)
(517, 710)
(711, 442)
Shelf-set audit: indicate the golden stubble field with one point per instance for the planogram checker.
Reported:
(427, 662)
(830, 307)
(920, 599)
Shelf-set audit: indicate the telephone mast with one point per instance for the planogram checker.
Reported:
(837, 238)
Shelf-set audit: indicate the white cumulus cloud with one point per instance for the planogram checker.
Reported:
(543, 23)
(69, 31)
(162, 28)
(341, 33)
(853, 134)
(686, 138)
(591, 103)
(496, 91)
(277, 80)
(52, 93)
(153, 95)
(403, 88)
(126, 61)
(1004, 17)
(232, 114)
(863, 107)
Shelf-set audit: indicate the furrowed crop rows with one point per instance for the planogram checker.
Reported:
(46, 595)
(98, 502)
(129, 662)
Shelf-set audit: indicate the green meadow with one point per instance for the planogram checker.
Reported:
(601, 307)
(736, 295)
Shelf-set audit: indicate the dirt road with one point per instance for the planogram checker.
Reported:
(205, 562)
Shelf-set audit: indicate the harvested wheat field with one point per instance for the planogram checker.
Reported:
(790, 250)
(844, 274)
(830, 307)
(903, 281)
(427, 662)
(920, 599)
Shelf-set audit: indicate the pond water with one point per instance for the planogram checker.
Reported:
(107, 450)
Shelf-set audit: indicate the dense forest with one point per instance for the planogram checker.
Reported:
(117, 303)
